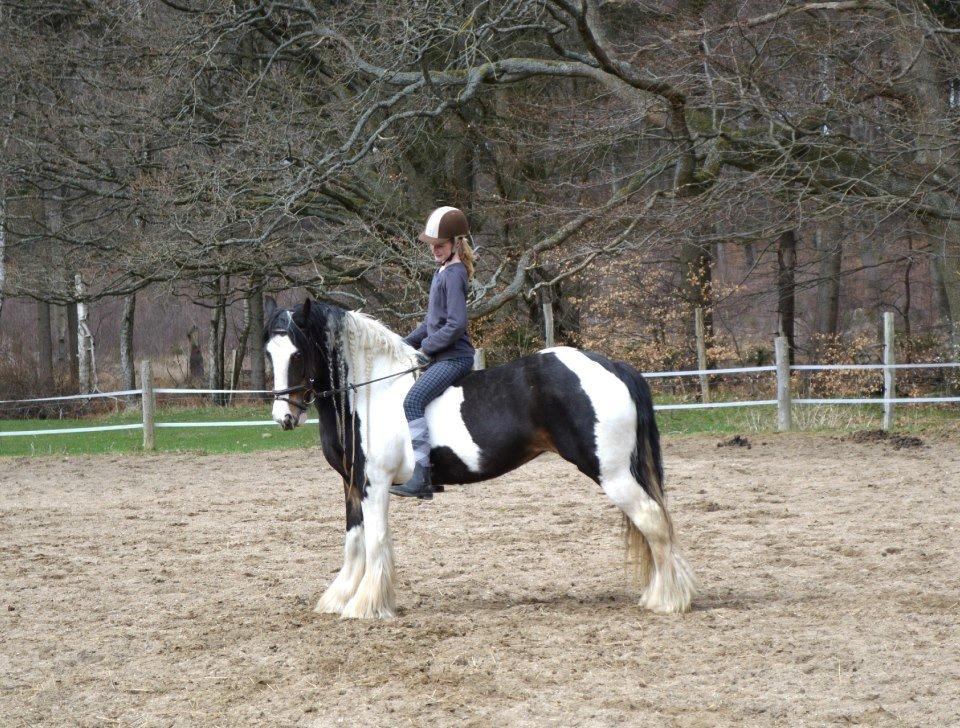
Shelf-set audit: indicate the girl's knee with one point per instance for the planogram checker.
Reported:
(412, 410)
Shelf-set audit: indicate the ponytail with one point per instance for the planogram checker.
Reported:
(462, 246)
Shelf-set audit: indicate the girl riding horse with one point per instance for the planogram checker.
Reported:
(593, 412)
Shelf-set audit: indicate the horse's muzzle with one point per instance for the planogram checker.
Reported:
(289, 421)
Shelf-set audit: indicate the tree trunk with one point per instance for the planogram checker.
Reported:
(84, 340)
(213, 376)
(241, 349)
(255, 342)
(906, 289)
(941, 304)
(950, 274)
(60, 328)
(875, 282)
(786, 287)
(3, 242)
(215, 343)
(44, 348)
(696, 267)
(3, 198)
(828, 285)
(196, 356)
(127, 369)
(222, 341)
(73, 337)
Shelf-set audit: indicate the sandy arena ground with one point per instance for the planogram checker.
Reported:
(177, 590)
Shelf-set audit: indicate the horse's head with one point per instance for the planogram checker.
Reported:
(288, 343)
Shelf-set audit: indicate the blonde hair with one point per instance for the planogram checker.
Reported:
(462, 246)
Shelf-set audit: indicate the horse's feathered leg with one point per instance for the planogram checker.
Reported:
(344, 586)
(605, 425)
(638, 490)
(375, 595)
(670, 584)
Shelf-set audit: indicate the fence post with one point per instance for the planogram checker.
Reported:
(479, 360)
(784, 403)
(547, 322)
(701, 354)
(889, 378)
(146, 384)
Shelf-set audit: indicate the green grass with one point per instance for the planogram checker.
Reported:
(205, 439)
(808, 418)
(829, 418)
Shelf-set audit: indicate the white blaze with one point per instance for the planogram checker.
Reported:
(281, 349)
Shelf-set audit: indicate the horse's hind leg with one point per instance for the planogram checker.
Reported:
(344, 586)
(670, 586)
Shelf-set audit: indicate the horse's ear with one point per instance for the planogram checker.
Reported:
(305, 309)
(269, 306)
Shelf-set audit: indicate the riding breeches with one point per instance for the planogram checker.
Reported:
(432, 383)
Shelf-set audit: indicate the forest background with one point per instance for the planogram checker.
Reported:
(790, 168)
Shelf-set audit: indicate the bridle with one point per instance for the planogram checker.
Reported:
(310, 387)
(302, 406)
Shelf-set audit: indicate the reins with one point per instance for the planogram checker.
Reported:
(314, 395)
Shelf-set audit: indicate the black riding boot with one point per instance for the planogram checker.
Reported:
(419, 485)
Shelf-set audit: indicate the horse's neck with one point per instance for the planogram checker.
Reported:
(381, 367)
(371, 350)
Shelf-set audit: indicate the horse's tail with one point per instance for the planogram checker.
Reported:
(646, 466)
(646, 461)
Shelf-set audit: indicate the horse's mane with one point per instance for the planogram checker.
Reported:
(343, 337)
(365, 338)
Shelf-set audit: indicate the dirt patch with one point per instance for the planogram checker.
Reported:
(736, 441)
(905, 441)
(862, 436)
(177, 591)
(898, 442)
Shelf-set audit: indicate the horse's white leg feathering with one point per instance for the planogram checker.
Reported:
(375, 595)
(344, 586)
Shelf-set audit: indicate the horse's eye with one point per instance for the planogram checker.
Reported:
(296, 356)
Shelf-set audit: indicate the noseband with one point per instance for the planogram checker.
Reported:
(307, 401)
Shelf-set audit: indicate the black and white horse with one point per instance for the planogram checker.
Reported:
(593, 412)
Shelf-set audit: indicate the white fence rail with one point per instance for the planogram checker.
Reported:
(784, 401)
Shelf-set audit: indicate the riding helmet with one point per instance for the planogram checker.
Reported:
(444, 223)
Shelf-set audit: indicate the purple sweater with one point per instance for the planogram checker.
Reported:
(443, 335)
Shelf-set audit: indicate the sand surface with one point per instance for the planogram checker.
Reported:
(177, 590)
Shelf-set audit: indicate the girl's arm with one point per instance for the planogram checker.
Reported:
(416, 336)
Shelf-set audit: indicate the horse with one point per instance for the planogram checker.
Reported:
(593, 412)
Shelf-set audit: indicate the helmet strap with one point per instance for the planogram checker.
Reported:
(453, 252)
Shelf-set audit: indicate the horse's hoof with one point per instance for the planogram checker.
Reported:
(354, 612)
(324, 607)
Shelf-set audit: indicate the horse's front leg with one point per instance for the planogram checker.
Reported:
(375, 597)
(344, 586)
